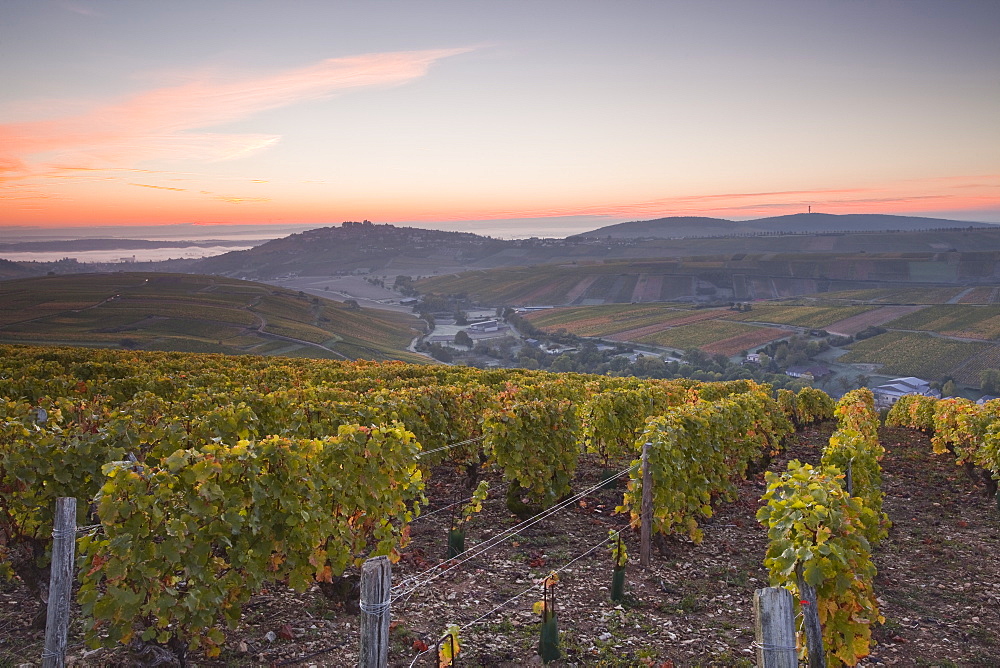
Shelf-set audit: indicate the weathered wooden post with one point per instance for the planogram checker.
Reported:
(646, 527)
(810, 619)
(376, 591)
(774, 625)
(60, 583)
(849, 480)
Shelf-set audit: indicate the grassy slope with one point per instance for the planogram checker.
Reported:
(196, 314)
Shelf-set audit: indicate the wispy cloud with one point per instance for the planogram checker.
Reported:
(956, 193)
(146, 185)
(241, 200)
(164, 122)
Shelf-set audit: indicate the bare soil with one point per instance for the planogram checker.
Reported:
(938, 584)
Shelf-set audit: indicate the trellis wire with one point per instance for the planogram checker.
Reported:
(492, 542)
(449, 447)
(439, 510)
(526, 590)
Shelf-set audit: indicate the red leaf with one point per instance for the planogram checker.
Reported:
(285, 632)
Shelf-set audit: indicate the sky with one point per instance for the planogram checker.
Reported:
(518, 114)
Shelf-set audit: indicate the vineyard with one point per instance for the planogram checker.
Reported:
(907, 354)
(608, 319)
(974, 322)
(226, 519)
(817, 317)
(195, 314)
(717, 334)
(925, 295)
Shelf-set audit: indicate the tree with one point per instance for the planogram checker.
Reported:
(352, 305)
(989, 381)
(563, 363)
(440, 353)
(949, 389)
(462, 338)
(128, 343)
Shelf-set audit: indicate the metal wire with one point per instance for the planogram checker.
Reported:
(489, 544)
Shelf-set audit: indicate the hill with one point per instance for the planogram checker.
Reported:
(353, 247)
(737, 277)
(193, 313)
(387, 249)
(676, 227)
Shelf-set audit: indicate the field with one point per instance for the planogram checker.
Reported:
(608, 319)
(195, 314)
(598, 275)
(817, 317)
(718, 335)
(981, 295)
(879, 316)
(962, 320)
(660, 324)
(907, 354)
(968, 372)
(922, 295)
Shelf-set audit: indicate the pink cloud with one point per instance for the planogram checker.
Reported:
(146, 185)
(160, 123)
(943, 193)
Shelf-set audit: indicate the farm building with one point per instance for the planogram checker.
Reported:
(814, 371)
(889, 393)
(485, 326)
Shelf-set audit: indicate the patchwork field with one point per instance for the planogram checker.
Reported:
(672, 326)
(874, 318)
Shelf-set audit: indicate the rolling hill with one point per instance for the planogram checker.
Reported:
(194, 313)
(676, 227)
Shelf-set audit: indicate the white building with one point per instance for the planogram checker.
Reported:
(486, 326)
(889, 393)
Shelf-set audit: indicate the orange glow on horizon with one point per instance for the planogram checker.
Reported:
(46, 210)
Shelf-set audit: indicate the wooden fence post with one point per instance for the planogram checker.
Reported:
(646, 527)
(810, 618)
(774, 626)
(849, 480)
(376, 590)
(60, 583)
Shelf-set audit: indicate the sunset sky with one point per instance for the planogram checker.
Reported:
(155, 112)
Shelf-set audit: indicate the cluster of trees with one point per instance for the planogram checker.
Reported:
(776, 357)
(586, 357)
(989, 381)
(404, 285)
